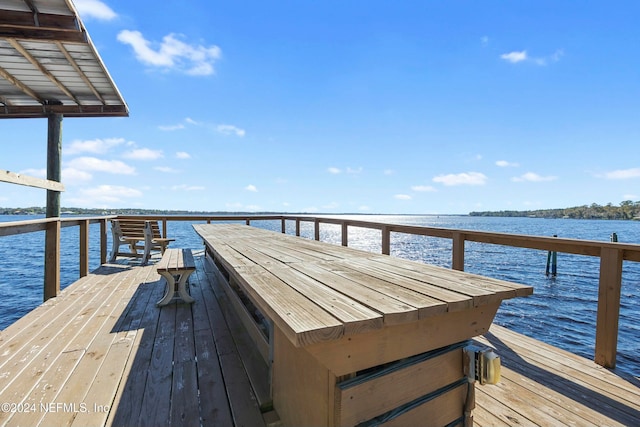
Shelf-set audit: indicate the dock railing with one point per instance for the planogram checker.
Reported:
(611, 254)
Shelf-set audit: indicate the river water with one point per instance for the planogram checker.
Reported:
(561, 312)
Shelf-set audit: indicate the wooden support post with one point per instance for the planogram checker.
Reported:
(316, 232)
(164, 227)
(52, 234)
(52, 260)
(386, 241)
(54, 169)
(248, 221)
(608, 307)
(84, 248)
(457, 261)
(283, 226)
(345, 235)
(298, 227)
(103, 241)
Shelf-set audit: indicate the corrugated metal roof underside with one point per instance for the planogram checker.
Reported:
(48, 64)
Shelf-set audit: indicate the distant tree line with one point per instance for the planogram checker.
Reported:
(626, 210)
(38, 210)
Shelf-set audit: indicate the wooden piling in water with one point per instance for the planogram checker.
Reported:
(552, 262)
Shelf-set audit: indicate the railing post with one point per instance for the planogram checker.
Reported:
(345, 236)
(103, 241)
(386, 240)
(248, 221)
(52, 260)
(284, 226)
(608, 307)
(316, 231)
(84, 248)
(457, 252)
(164, 227)
(298, 227)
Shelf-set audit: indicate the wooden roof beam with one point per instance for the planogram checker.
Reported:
(41, 26)
(17, 83)
(81, 73)
(17, 46)
(28, 111)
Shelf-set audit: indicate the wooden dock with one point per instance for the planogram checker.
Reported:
(103, 353)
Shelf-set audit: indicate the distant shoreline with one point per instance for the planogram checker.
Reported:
(627, 210)
(131, 211)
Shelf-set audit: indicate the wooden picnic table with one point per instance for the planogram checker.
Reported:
(355, 337)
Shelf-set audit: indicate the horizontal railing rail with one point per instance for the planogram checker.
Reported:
(611, 254)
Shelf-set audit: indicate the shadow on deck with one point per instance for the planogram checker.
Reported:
(103, 353)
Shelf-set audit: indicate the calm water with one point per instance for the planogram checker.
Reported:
(562, 310)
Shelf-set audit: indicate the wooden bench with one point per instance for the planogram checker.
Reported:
(132, 232)
(176, 265)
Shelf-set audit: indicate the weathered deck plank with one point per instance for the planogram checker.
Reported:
(543, 385)
(102, 353)
(105, 345)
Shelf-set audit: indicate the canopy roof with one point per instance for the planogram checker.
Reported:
(48, 64)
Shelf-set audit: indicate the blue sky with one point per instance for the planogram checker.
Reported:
(426, 107)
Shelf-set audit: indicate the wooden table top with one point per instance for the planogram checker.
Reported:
(317, 291)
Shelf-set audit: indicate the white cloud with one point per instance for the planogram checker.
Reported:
(74, 176)
(623, 174)
(96, 146)
(514, 57)
(469, 178)
(485, 41)
(191, 121)
(364, 208)
(183, 155)
(94, 9)
(109, 194)
(172, 53)
(93, 164)
(533, 177)
(143, 154)
(506, 164)
(184, 187)
(166, 169)
(169, 128)
(36, 173)
(334, 170)
(354, 171)
(388, 172)
(402, 197)
(630, 197)
(557, 55)
(423, 188)
(230, 130)
(332, 205)
(252, 188)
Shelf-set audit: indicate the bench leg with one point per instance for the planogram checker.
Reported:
(170, 287)
(182, 287)
(114, 251)
(147, 254)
